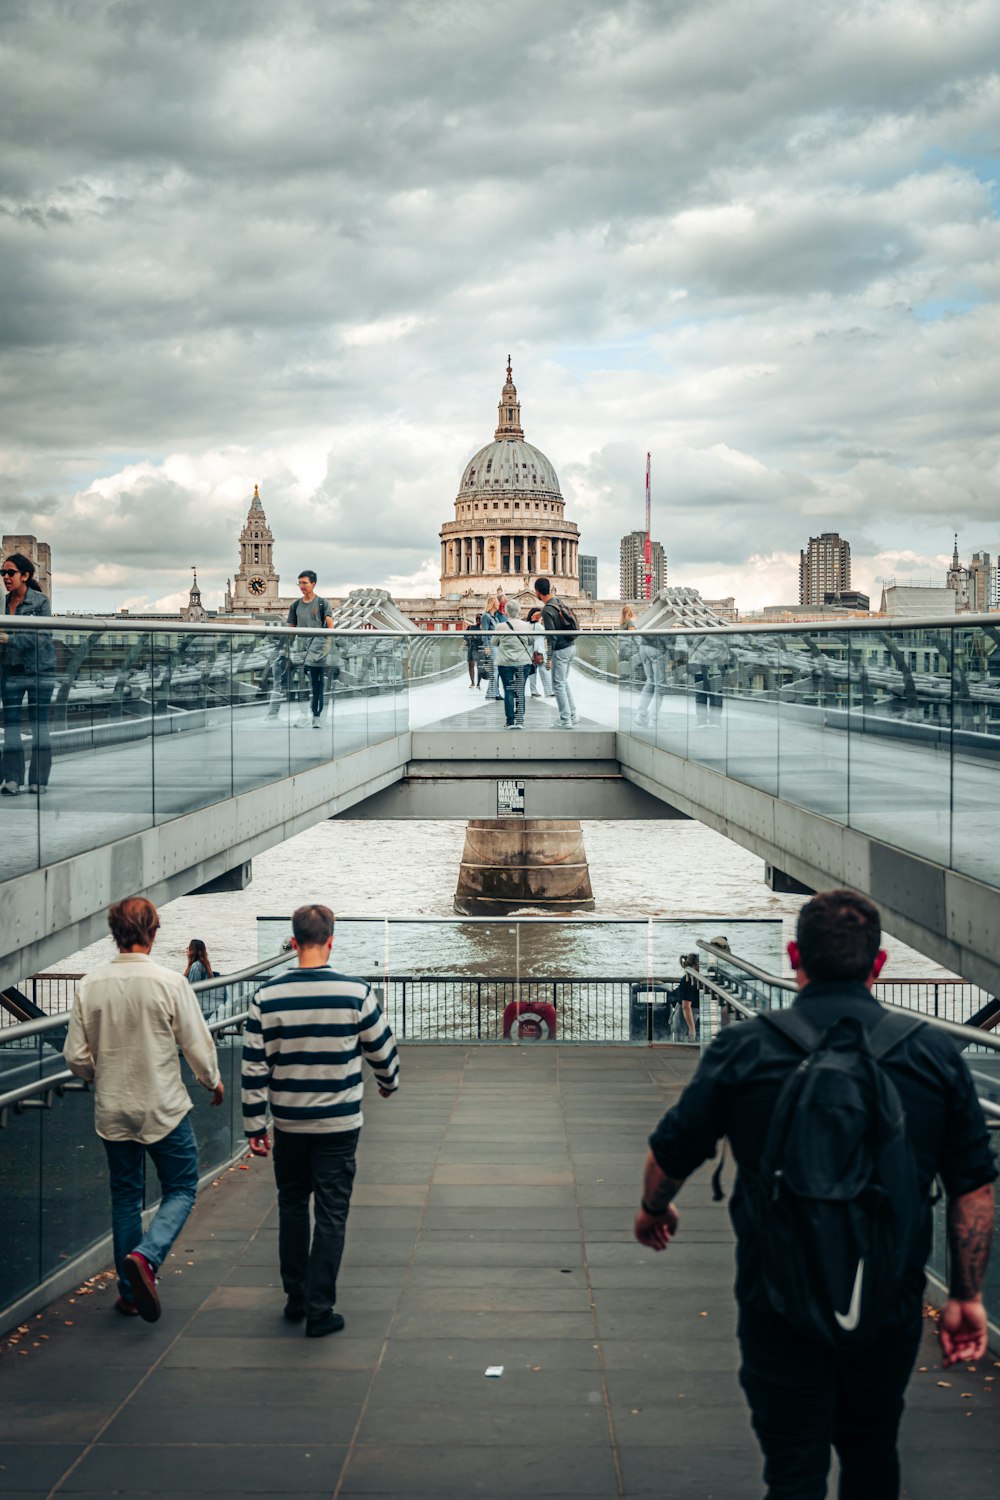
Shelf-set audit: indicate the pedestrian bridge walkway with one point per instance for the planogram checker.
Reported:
(863, 752)
(491, 1225)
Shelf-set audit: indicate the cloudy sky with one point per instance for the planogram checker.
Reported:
(293, 244)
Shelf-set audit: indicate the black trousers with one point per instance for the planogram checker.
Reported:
(805, 1397)
(321, 1166)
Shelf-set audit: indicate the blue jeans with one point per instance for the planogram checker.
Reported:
(561, 661)
(513, 693)
(38, 690)
(176, 1161)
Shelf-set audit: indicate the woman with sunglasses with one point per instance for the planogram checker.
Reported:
(27, 673)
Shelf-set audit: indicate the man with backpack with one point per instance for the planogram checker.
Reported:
(308, 654)
(561, 625)
(840, 1114)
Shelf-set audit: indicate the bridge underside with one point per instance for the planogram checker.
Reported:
(953, 918)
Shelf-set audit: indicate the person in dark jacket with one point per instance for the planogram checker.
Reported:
(27, 680)
(805, 1394)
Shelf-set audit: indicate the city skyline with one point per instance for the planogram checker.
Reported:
(771, 262)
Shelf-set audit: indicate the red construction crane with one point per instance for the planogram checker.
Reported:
(647, 551)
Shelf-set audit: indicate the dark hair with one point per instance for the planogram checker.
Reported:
(543, 586)
(838, 934)
(692, 960)
(133, 922)
(308, 573)
(198, 954)
(25, 565)
(312, 926)
(533, 615)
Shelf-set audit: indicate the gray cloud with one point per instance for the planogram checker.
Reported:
(294, 243)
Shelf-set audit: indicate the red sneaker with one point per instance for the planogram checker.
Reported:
(142, 1279)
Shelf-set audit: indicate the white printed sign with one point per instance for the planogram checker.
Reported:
(510, 799)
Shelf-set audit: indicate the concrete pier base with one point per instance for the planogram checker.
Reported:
(509, 863)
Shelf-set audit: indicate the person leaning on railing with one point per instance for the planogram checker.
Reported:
(27, 678)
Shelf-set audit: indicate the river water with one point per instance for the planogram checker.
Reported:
(666, 869)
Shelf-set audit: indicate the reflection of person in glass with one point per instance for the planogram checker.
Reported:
(27, 677)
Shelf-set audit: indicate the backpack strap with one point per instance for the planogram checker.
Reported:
(891, 1028)
(794, 1026)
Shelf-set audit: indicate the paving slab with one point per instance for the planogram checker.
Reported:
(491, 1225)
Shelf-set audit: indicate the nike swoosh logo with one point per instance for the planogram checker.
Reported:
(849, 1320)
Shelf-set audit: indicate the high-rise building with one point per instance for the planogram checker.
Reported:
(632, 567)
(824, 568)
(588, 575)
(982, 583)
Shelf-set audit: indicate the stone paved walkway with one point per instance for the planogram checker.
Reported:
(491, 1226)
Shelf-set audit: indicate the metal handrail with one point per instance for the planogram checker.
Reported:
(49, 1023)
(725, 997)
(59, 1081)
(755, 627)
(968, 1035)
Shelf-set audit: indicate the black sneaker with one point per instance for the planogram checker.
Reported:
(295, 1310)
(319, 1328)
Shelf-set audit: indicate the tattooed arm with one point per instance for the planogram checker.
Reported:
(963, 1319)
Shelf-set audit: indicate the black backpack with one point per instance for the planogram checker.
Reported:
(835, 1200)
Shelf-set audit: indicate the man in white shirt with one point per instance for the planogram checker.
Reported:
(129, 1018)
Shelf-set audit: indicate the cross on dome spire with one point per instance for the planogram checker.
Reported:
(509, 427)
(255, 503)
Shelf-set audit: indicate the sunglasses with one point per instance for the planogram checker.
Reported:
(9, 572)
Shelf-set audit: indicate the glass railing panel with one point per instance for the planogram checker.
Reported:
(751, 687)
(261, 711)
(810, 672)
(390, 658)
(439, 689)
(900, 734)
(27, 682)
(350, 702)
(455, 979)
(705, 672)
(20, 1173)
(74, 1181)
(594, 680)
(101, 719)
(975, 751)
(665, 710)
(192, 722)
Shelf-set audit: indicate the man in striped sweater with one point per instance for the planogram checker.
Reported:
(306, 1034)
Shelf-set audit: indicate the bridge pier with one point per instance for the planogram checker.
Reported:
(508, 863)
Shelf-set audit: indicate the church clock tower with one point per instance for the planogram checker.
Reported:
(255, 587)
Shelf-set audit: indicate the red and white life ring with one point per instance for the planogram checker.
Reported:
(528, 1021)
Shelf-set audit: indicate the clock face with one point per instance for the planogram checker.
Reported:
(257, 585)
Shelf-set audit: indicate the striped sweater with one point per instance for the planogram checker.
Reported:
(306, 1033)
